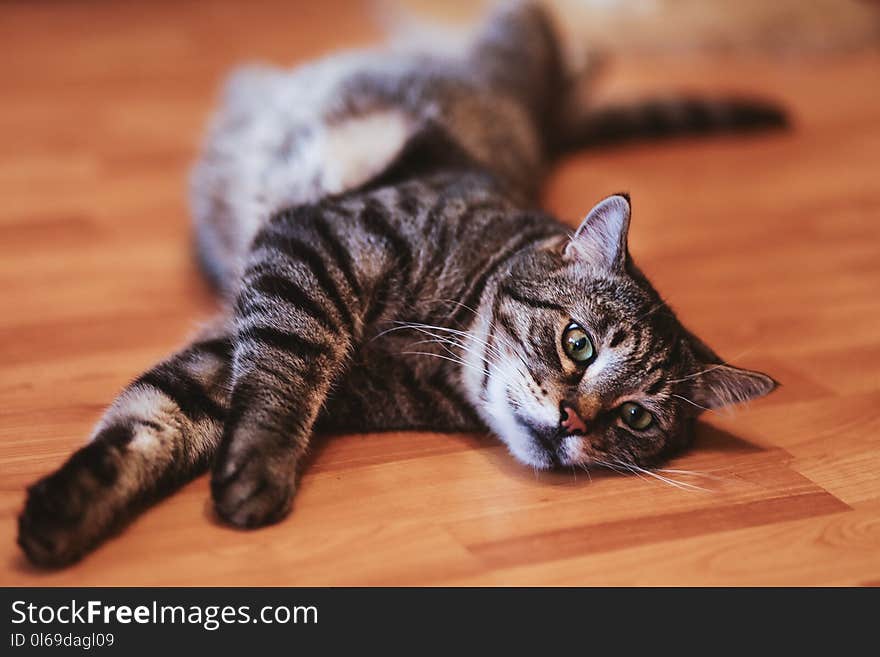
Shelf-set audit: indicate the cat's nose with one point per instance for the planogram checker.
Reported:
(569, 420)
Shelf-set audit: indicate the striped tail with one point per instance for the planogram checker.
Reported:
(160, 432)
(660, 118)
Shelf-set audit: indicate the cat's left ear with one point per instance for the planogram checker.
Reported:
(722, 385)
(600, 240)
(717, 384)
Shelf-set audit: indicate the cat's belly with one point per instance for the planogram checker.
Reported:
(283, 139)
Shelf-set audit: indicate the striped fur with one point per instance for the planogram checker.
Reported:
(674, 116)
(371, 221)
(160, 432)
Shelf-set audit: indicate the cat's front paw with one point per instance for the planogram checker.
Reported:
(51, 527)
(67, 512)
(251, 489)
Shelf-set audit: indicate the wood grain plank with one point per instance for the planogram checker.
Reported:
(837, 549)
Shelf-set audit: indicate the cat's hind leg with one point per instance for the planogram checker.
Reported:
(160, 432)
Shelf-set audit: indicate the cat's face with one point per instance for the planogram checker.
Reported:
(587, 365)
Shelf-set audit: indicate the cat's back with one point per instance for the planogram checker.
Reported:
(446, 227)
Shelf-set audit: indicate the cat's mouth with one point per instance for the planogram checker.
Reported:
(548, 441)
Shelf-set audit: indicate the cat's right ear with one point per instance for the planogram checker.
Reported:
(600, 240)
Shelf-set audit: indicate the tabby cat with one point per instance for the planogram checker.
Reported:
(371, 220)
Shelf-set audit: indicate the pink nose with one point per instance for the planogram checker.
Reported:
(570, 420)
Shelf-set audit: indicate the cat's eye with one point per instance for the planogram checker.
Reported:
(577, 344)
(635, 416)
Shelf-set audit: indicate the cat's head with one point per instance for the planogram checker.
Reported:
(587, 364)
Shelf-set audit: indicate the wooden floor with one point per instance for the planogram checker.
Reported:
(768, 246)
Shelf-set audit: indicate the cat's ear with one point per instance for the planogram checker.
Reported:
(722, 385)
(600, 240)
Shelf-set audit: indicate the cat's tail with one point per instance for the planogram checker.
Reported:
(660, 118)
(160, 432)
(526, 50)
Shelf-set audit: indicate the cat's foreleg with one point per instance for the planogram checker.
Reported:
(304, 301)
(160, 432)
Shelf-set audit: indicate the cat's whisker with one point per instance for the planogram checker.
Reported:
(628, 468)
(445, 344)
(498, 334)
(653, 309)
(693, 403)
(691, 473)
(454, 360)
(623, 467)
(668, 480)
(742, 353)
(426, 328)
(481, 356)
(585, 467)
(493, 348)
(460, 304)
(487, 361)
(611, 466)
(500, 374)
(695, 374)
(448, 341)
(683, 485)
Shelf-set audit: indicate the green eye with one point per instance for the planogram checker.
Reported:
(635, 416)
(577, 344)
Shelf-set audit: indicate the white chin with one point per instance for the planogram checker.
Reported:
(528, 451)
(501, 419)
(530, 454)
